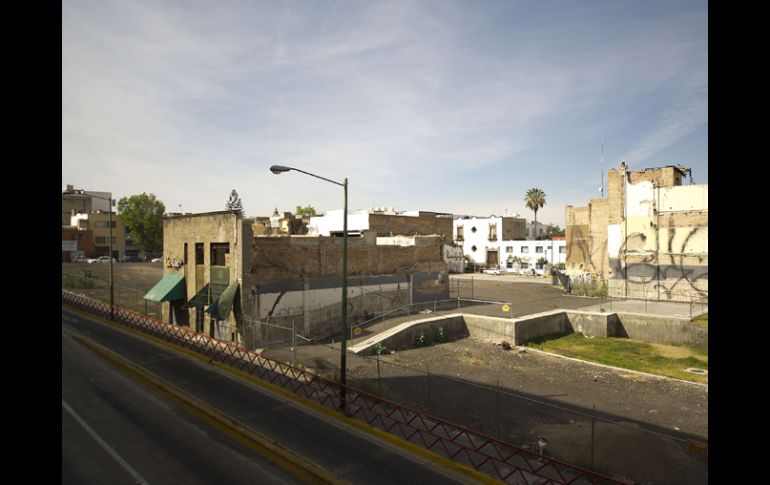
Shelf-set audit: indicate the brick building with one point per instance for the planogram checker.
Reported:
(76, 242)
(222, 279)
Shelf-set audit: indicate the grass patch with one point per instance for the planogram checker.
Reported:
(664, 360)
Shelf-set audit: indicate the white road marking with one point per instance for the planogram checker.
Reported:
(103, 444)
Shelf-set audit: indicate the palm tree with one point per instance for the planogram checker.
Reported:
(535, 199)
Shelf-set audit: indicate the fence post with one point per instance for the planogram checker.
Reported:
(379, 378)
(293, 342)
(593, 425)
(497, 399)
(429, 408)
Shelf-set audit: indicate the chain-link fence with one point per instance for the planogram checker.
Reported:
(637, 297)
(589, 437)
(87, 283)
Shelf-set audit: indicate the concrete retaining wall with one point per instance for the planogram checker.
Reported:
(661, 330)
(548, 323)
(649, 328)
(493, 329)
(593, 324)
(404, 336)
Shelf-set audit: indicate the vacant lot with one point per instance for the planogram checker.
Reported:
(131, 281)
(641, 424)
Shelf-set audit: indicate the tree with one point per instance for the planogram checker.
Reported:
(305, 211)
(535, 199)
(234, 203)
(552, 230)
(143, 216)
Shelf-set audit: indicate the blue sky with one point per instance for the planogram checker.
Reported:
(452, 106)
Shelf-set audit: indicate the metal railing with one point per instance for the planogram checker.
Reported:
(499, 459)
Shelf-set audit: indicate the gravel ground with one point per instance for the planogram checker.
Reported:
(641, 424)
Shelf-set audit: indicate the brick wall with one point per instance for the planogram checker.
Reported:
(425, 224)
(514, 228)
(274, 259)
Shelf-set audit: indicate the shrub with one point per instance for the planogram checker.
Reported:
(420, 340)
(380, 349)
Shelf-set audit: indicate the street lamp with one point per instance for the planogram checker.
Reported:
(279, 169)
(112, 294)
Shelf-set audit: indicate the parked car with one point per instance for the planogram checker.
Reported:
(157, 260)
(494, 271)
(80, 259)
(101, 259)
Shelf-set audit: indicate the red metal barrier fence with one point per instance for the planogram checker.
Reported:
(498, 459)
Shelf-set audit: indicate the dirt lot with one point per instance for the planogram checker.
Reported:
(641, 424)
(640, 427)
(130, 282)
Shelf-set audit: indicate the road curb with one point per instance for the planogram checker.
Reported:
(427, 455)
(286, 459)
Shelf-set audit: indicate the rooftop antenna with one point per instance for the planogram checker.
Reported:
(601, 189)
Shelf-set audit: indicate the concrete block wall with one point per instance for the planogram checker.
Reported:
(555, 322)
(662, 330)
(454, 327)
(493, 329)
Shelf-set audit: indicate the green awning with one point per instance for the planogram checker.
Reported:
(170, 287)
(199, 300)
(220, 309)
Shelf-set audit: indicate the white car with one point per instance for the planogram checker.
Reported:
(157, 260)
(494, 271)
(100, 259)
(80, 259)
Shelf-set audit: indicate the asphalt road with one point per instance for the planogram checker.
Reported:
(115, 431)
(163, 445)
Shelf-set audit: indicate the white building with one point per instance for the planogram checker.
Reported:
(498, 242)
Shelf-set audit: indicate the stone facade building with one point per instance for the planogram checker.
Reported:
(648, 238)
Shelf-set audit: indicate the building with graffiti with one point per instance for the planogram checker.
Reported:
(648, 238)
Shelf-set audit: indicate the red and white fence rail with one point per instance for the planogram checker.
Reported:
(501, 460)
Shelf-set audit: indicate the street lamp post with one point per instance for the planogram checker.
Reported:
(279, 169)
(112, 294)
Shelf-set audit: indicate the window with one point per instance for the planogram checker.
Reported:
(80, 236)
(509, 249)
(198, 253)
(185, 253)
(539, 265)
(459, 233)
(509, 264)
(562, 249)
(73, 236)
(538, 249)
(101, 240)
(493, 232)
(524, 249)
(524, 265)
(218, 251)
